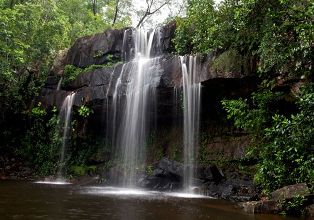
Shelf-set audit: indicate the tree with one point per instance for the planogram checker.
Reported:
(31, 34)
(119, 12)
(152, 7)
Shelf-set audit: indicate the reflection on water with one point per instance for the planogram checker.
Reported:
(21, 200)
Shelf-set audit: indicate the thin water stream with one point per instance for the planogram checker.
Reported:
(191, 112)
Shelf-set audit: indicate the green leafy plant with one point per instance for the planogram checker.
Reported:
(294, 206)
(283, 144)
(39, 111)
(85, 111)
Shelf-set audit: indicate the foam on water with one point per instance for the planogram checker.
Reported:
(53, 182)
(126, 192)
(118, 191)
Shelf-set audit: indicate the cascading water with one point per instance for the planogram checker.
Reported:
(191, 112)
(65, 120)
(59, 84)
(133, 98)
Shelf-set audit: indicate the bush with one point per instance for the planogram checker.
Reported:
(285, 143)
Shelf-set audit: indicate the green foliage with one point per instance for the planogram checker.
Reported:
(85, 111)
(183, 37)
(81, 170)
(277, 33)
(71, 72)
(288, 148)
(286, 43)
(294, 206)
(39, 111)
(41, 144)
(203, 153)
(195, 33)
(229, 61)
(149, 170)
(31, 34)
(253, 116)
(285, 146)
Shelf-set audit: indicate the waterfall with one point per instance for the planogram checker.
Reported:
(65, 120)
(59, 84)
(191, 112)
(132, 102)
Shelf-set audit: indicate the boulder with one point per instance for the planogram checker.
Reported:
(274, 204)
(96, 49)
(232, 189)
(310, 211)
(167, 175)
(160, 183)
(260, 207)
(289, 192)
(210, 173)
(171, 167)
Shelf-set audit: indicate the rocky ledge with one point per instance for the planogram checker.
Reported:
(167, 175)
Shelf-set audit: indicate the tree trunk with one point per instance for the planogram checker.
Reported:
(94, 7)
(116, 13)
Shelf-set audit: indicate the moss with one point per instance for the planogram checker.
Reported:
(81, 170)
(71, 72)
(228, 61)
(231, 61)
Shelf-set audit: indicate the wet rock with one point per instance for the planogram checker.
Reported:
(160, 183)
(261, 207)
(210, 173)
(94, 78)
(51, 82)
(87, 180)
(274, 204)
(232, 189)
(289, 192)
(59, 62)
(171, 167)
(166, 176)
(310, 211)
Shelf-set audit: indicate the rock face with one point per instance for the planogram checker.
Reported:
(114, 44)
(96, 49)
(117, 45)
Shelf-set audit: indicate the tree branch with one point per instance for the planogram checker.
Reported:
(148, 12)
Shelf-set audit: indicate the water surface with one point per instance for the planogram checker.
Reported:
(25, 200)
